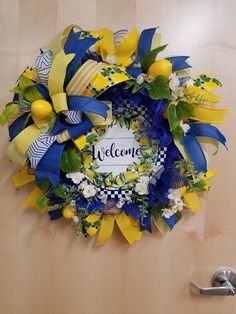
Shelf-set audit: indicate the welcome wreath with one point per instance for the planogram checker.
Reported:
(111, 133)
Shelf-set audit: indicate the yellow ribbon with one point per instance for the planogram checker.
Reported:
(128, 226)
(31, 200)
(22, 177)
(197, 95)
(209, 115)
(56, 80)
(18, 148)
(191, 199)
(120, 54)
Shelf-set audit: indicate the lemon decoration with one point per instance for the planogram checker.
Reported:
(160, 67)
(67, 212)
(100, 82)
(118, 78)
(131, 175)
(41, 109)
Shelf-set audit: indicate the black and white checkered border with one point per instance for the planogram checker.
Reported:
(162, 153)
(115, 193)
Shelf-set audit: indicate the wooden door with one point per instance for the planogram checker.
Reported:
(44, 269)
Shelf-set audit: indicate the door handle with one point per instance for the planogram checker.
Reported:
(223, 283)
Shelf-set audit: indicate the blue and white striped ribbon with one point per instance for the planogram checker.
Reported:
(73, 117)
(43, 64)
(39, 147)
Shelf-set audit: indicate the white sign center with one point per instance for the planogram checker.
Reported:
(116, 150)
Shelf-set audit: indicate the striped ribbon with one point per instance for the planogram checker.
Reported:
(43, 65)
(83, 76)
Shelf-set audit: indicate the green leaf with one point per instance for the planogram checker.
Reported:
(178, 216)
(172, 117)
(159, 88)
(184, 110)
(157, 209)
(43, 185)
(70, 160)
(178, 133)
(136, 88)
(8, 112)
(91, 138)
(60, 191)
(150, 57)
(28, 89)
(198, 186)
(41, 203)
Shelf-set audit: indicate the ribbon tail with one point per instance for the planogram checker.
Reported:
(191, 200)
(145, 42)
(179, 62)
(195, 152)
(106, 229)
(22, 177)
(129, 228)
(49, 165)
(209, 115)
(31, 200)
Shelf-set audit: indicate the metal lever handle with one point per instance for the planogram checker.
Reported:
(223, 282)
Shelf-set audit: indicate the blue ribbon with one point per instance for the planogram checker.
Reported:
(207, 130)
(195, 152)
(79, 47)
(87, 104)
(17, 126)
(179, 62)
(145, 42)
(170, 221)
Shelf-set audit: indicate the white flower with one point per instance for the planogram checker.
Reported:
(120, 203)
(103, 198)
(89, 190)
(141, 78)
(167, 212)
(149, 79)
(76, 177)
(189, 82)
(174, 81)
(75, 219)
(83, 184)
(141, 186)
(175, 198)
(111, 59)
(185, 127)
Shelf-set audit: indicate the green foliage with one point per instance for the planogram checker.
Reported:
(157, 209)
(195, 183)
(178, 216)
(184, 110)
(175, 114)
(8, 112)
(61, 192)
(70, 160)
(159, 88)
(43, 185)
(41, 203)
(27, 89)
(150, 57)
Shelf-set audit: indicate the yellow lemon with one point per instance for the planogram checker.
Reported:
(144, 140)
(41, 109)
(67, 212)
(90, 174)
(160, 67)
(91, 231)
(131, 175)
(119, 181)
(142, 168)
(87, 160)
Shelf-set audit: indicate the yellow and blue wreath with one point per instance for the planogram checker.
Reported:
(88, 81)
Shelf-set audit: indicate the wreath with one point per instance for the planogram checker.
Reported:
(110, 133)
